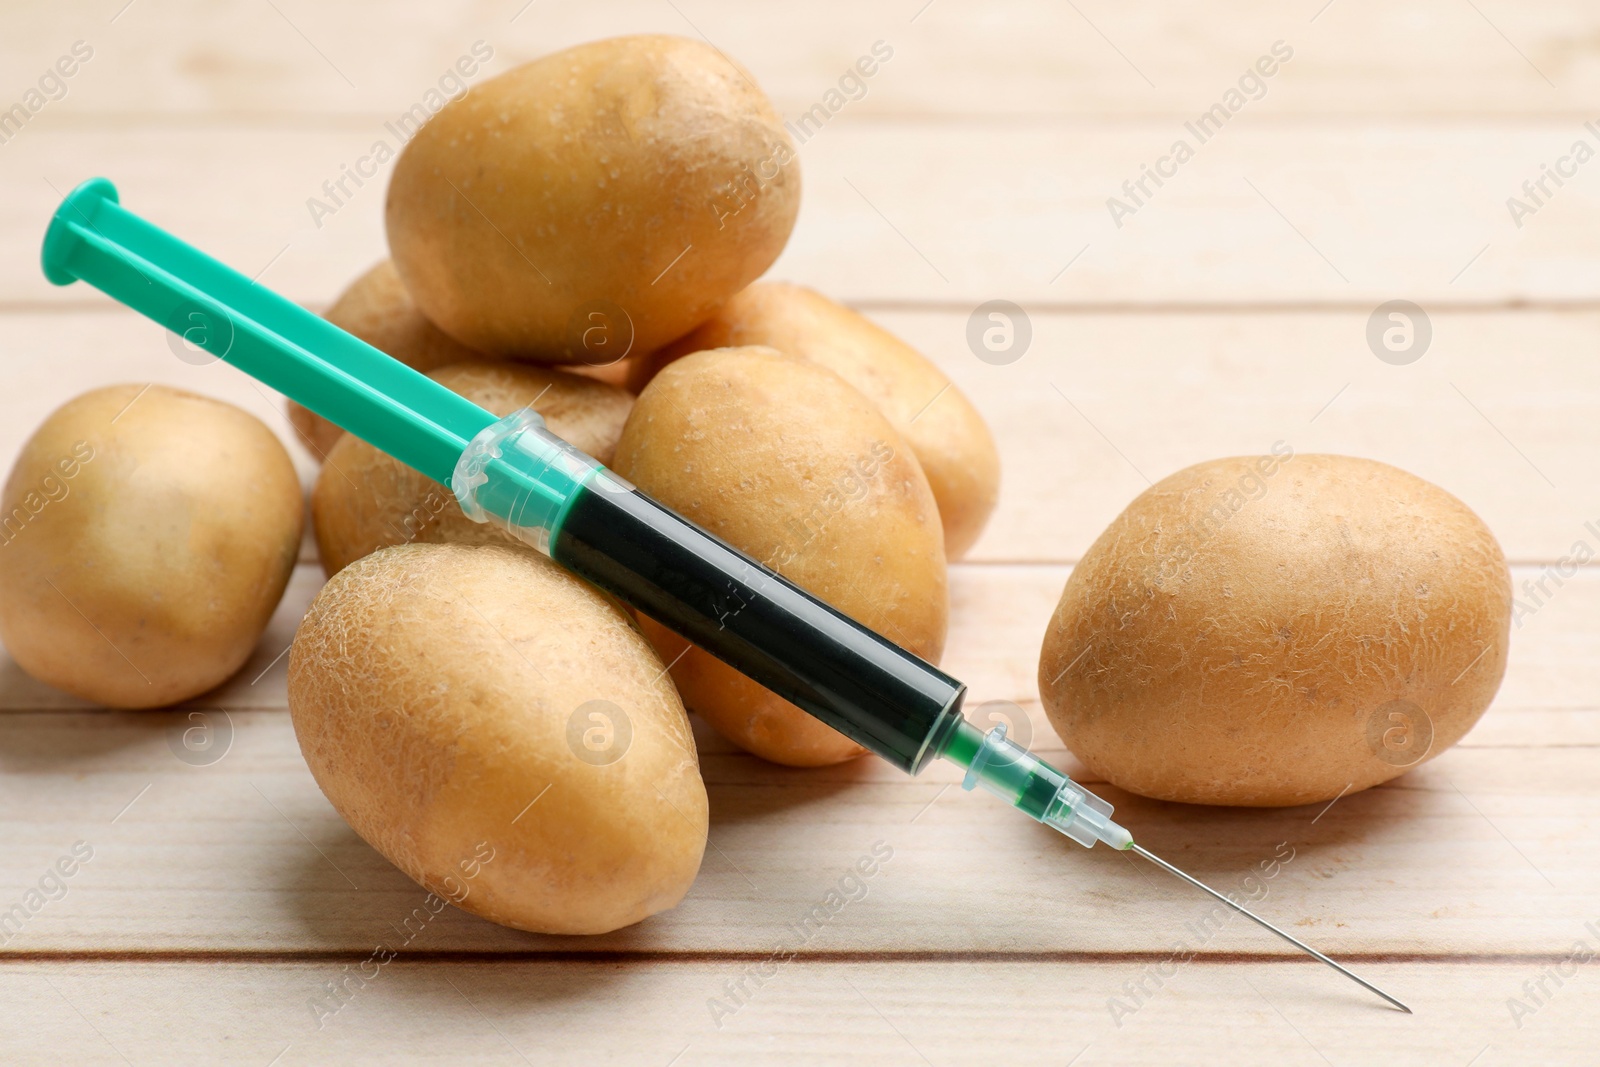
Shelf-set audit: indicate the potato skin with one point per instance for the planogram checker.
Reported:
(148, 573)
(581, 178)
(952, 443)
(365, 499)
(1240, 633)
(432, 689)
(377, 309)
(785, 461)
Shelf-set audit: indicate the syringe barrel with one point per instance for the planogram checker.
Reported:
(751, 618)
(551, 495)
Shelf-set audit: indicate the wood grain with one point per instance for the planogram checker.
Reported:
(1228, 312)
(999, 613)
(894, 1013)
(1471, 853)
(1496, 412)
(951, 58)
(1271, 212)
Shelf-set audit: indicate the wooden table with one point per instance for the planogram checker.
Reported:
(1229, 311)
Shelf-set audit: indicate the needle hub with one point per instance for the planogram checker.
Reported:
(1028, 783)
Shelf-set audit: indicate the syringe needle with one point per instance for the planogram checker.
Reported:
(1012, 772)
(1247, 913)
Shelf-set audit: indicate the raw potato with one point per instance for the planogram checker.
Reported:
(618, 374)
(1277, 630)
(784, 460)
(365, 499)
(148, 536)
(377, 309)
(954, 446)
(502, 733)
(643, 180)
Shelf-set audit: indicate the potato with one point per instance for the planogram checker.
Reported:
(617, 374)
(949, 437)
(377, 309)
(502, 734)
(365, 499)
(148, 534)
(1277, 630)
(602, 199)
(784, 460)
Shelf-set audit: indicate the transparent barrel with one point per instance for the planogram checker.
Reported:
(521, 477)
(1031, 785)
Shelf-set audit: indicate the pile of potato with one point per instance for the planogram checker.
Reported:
(579, 235)
(583, 235)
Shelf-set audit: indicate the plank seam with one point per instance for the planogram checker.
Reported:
(1063, 307)
(696, 956)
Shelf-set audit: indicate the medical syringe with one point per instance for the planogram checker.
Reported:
(515, 473)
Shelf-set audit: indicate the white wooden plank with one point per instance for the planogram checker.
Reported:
(1478, 852)
(892, 1013)
(1226, 314)
(1497, 412)
(1268, 212)
(1536, 728)
(1347, 213)
(999, 614)
(227, 857)
(950, 57)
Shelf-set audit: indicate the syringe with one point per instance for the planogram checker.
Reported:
(515, 473)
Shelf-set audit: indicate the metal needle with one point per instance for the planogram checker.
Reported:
(1247, 913)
